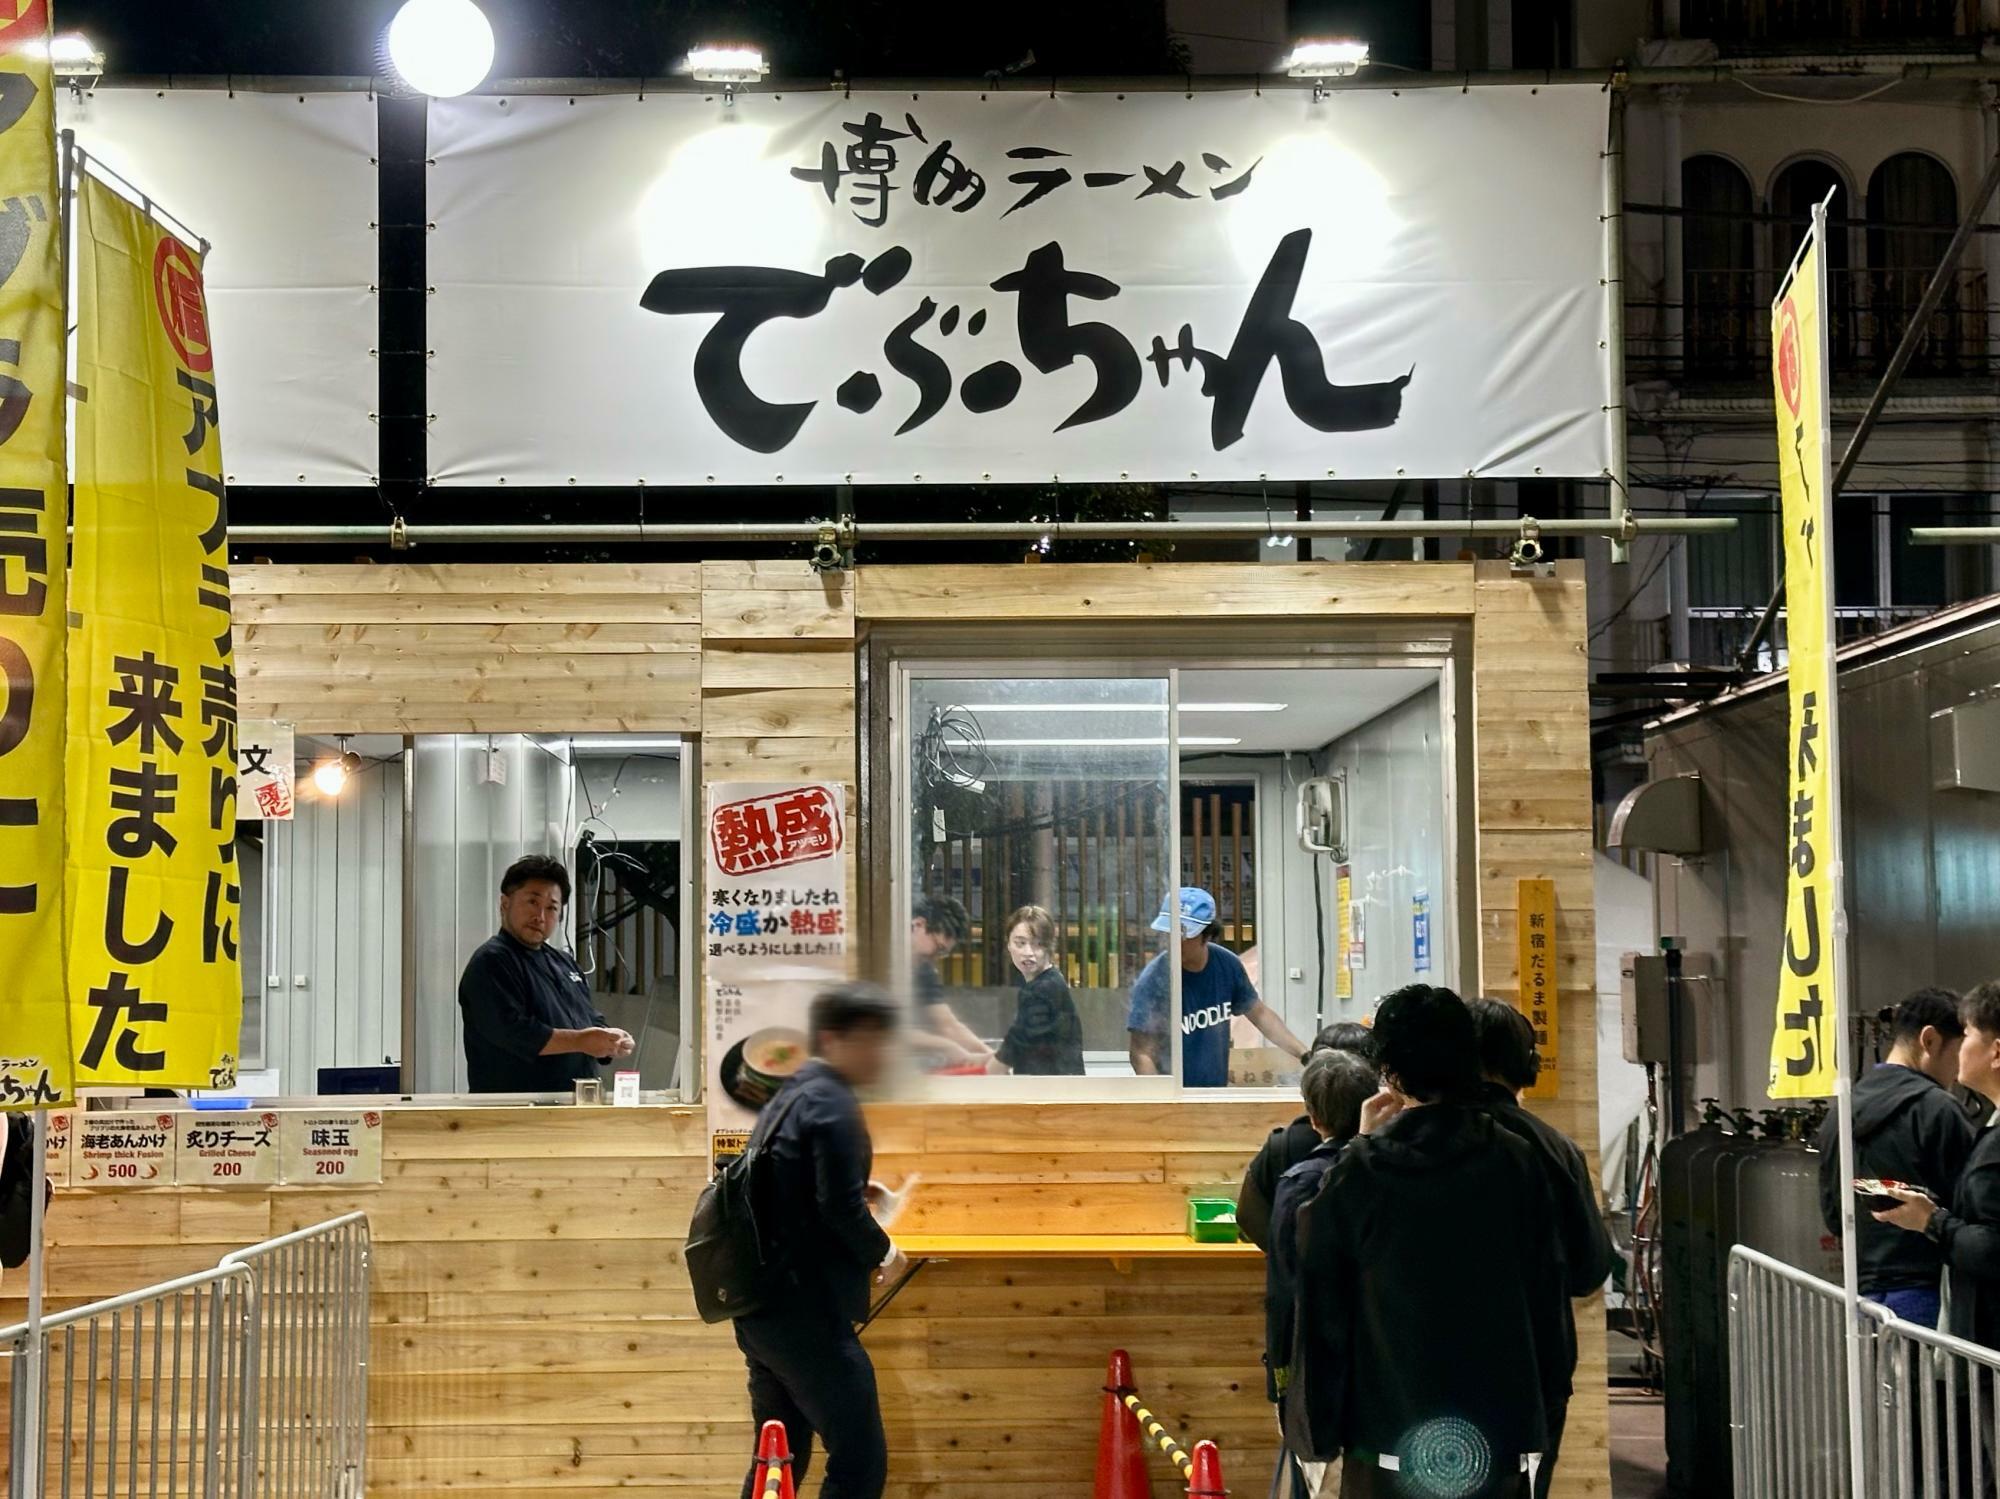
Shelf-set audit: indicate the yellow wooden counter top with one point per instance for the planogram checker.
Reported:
(1115, 1247)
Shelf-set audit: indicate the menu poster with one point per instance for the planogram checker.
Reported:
(123, 1150)
(55, 1144)
(227, 1149)
(774, 935)
(324, 1148)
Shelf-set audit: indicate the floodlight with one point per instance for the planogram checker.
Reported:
(441, 47)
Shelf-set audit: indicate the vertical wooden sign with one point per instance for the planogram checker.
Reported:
(1536, 954)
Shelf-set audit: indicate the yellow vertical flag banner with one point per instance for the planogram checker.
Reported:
(1535, 959)
(155, 987)
(34, 503)
(1802, 1046)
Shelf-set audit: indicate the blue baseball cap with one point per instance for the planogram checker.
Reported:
(1197, 912)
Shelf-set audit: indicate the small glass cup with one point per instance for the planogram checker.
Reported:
(589, 1090)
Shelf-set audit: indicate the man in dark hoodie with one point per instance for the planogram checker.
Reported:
(1510, 1062)
(1907, 1128)
(1291, 1143)
(1336, 1084)
(1414, 1356)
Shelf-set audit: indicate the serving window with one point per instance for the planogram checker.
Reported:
(360, 911)
(1102, 881)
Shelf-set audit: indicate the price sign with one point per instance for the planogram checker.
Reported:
(226, 1150)
(123, 1150)
(333, 1149)
(56, 1153)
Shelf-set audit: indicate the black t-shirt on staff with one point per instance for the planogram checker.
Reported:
(513, 997)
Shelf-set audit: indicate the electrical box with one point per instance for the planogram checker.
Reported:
(1642, 1007)
(1965, 746)
(492, 767)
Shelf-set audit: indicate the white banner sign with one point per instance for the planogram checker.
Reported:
(775, 934)
(265, 755)
(283, 186)
(895, 288)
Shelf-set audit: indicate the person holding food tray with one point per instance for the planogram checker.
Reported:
(1046, 1038)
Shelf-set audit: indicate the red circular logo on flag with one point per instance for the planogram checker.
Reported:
(22, 21)
(177, 291)
(1791, 358)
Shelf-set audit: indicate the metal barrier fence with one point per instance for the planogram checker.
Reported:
(312, 1377)
(148, 1393)
(1934, 1400)
(248, 1381)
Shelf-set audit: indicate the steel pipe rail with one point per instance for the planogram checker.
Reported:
(850, 533)
(1953, 536)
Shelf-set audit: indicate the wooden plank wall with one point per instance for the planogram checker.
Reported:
(1531, 733)
(534, 1332)
(535, 1325)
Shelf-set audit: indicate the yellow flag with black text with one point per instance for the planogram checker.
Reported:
(155, 988)
(34, 498)
(1809, 1011)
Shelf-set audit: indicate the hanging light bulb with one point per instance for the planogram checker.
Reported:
(331, 775)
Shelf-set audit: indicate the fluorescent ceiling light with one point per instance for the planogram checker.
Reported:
(1186, 741)
(614, 742)
(1334, 58)
(726, 64)
(1121, 707)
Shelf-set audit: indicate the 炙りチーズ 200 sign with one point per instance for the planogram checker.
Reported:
(962, 287)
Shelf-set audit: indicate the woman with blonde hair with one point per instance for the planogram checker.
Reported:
(1046, 1038)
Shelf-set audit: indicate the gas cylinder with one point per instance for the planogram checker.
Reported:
(1777, 1201)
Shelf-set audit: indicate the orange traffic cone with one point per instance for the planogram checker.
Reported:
(772, 1476)
(1121, 1448)
(1205, 1477)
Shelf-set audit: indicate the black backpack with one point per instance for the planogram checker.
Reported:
(724, 1252)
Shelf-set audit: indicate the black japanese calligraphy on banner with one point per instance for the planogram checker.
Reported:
(953, 287)
(155, 987)
(34, 1022)
(775, 933)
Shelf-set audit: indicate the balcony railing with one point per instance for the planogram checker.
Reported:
(1769, 25)
(1726, 326)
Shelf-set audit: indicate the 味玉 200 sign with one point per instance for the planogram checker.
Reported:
(956, 287)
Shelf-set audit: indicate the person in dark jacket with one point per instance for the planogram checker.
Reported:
(1510, 1064)
(1415, 1351)
(1906, 1128)
(807, 1366)
(1336, 1084)
(1046, 1038)
(1289, 1144)
(1967, 1232)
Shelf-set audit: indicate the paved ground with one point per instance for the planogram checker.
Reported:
(1638, 1445)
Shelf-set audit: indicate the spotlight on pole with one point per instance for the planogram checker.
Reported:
(441, 47)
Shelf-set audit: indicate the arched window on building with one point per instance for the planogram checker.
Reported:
(1796, 190)
(1720, 308)
(1912, 210)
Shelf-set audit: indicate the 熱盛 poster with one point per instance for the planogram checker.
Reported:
(774, 933)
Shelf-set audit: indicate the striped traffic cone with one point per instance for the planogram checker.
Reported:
(1205, 1477)
(772, 1477)
(1121, 1449)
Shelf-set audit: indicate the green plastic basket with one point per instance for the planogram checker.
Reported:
(1211, 1220)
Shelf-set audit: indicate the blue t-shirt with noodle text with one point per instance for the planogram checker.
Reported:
(1208, 999)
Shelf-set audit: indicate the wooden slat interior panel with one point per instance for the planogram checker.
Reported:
(1164, 590)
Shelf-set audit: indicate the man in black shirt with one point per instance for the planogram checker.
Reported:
(1511, 1064)
(529, 1024)
(819, 1236)
(938, 924)
(1907, 1128)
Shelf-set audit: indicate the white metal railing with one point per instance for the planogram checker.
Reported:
(312, 1376)
(248, 1381)
(1934, 1400)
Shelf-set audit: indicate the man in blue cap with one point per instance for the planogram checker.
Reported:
(1214, 988)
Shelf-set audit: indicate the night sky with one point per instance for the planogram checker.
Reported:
(630, 38)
